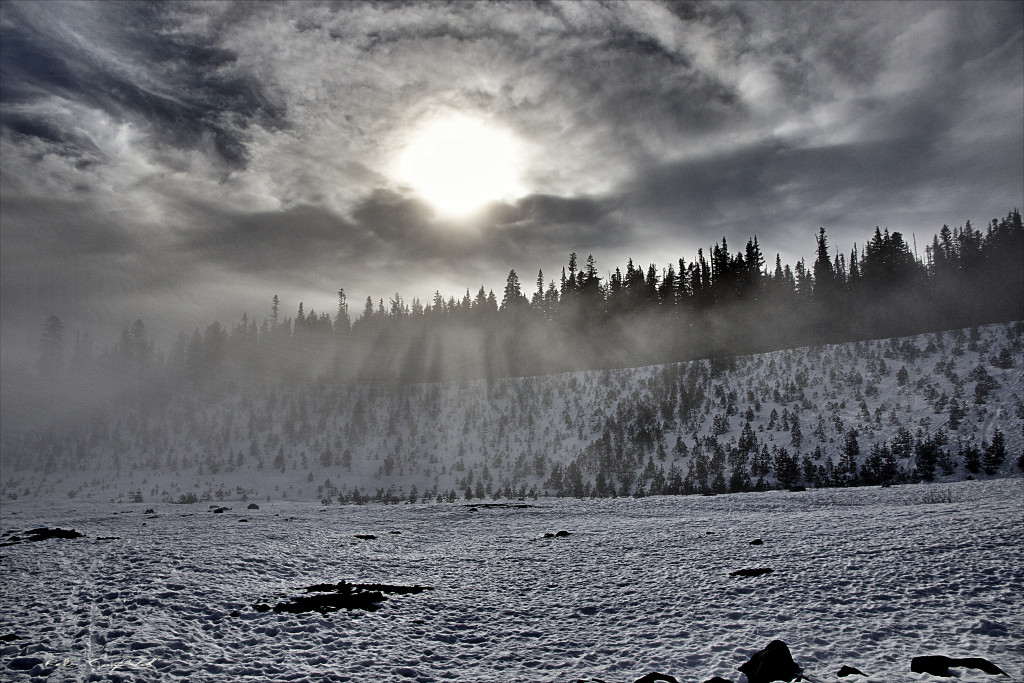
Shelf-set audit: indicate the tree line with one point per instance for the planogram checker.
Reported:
(719, 303)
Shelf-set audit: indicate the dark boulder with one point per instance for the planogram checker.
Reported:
(850, 671)
(655, 677)
(43, 534)
(332, 602)
(253, 506)
(331, 597)
(756, 571)
(365, 537)
(773, 663)
(757, 541)
(938, 665)
(149, 511)
(25, 663)
(220, 510)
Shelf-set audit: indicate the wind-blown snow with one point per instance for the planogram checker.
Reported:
(867, 577)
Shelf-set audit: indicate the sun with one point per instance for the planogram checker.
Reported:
(459, 164)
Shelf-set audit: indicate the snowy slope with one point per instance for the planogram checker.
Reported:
(866, 577)
(611, 432)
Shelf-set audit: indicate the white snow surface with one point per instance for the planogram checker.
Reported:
(867, 577)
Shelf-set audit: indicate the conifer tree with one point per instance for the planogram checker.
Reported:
(995, 453)
(51, 346)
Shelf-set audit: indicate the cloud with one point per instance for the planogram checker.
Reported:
(151, 150)
(134, 63)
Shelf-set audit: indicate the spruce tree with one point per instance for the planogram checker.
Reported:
(995, 453)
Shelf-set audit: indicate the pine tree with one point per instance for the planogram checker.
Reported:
(51, 346)
(342, 322)
(824, 272)
(851, 449)
(275, 306)
(513, 295)
(995, 453)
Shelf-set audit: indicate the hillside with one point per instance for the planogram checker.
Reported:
(943, 406)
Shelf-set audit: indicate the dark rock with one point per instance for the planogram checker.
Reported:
(149, 511)
(243, 520)
(25, 663)
(757, 571)
(492, 506)
(938, 665)
(773, 663)
(366, 537)
(220, 510)
(654, 676)
(797, 489)
(331, 597)
(8, 638)
(332, 602)
(261, 607)
(850, 671)
(345, 587)
(253, 506)
(562, 534)
(757, 541)
(41, 671)
(396, 533)
(42, 534)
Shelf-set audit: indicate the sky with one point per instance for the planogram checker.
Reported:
(185, 162)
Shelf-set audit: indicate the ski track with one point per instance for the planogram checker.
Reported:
(865, 577)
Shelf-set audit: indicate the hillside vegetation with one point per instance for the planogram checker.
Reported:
(939, 406)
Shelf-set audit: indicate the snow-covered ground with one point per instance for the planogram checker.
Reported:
(867, 577)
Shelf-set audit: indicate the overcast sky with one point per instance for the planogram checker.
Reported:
(185, 162)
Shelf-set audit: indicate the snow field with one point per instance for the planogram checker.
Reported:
(867, 577)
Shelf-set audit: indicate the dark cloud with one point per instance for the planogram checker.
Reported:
(549, 210)
(185, 91)
(63, 227)
(274, 242)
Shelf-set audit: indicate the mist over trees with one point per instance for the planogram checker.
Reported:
(720, 303)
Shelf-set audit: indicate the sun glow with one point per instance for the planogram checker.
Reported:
(459, 164)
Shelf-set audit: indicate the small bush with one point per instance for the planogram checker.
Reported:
(935, 495)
